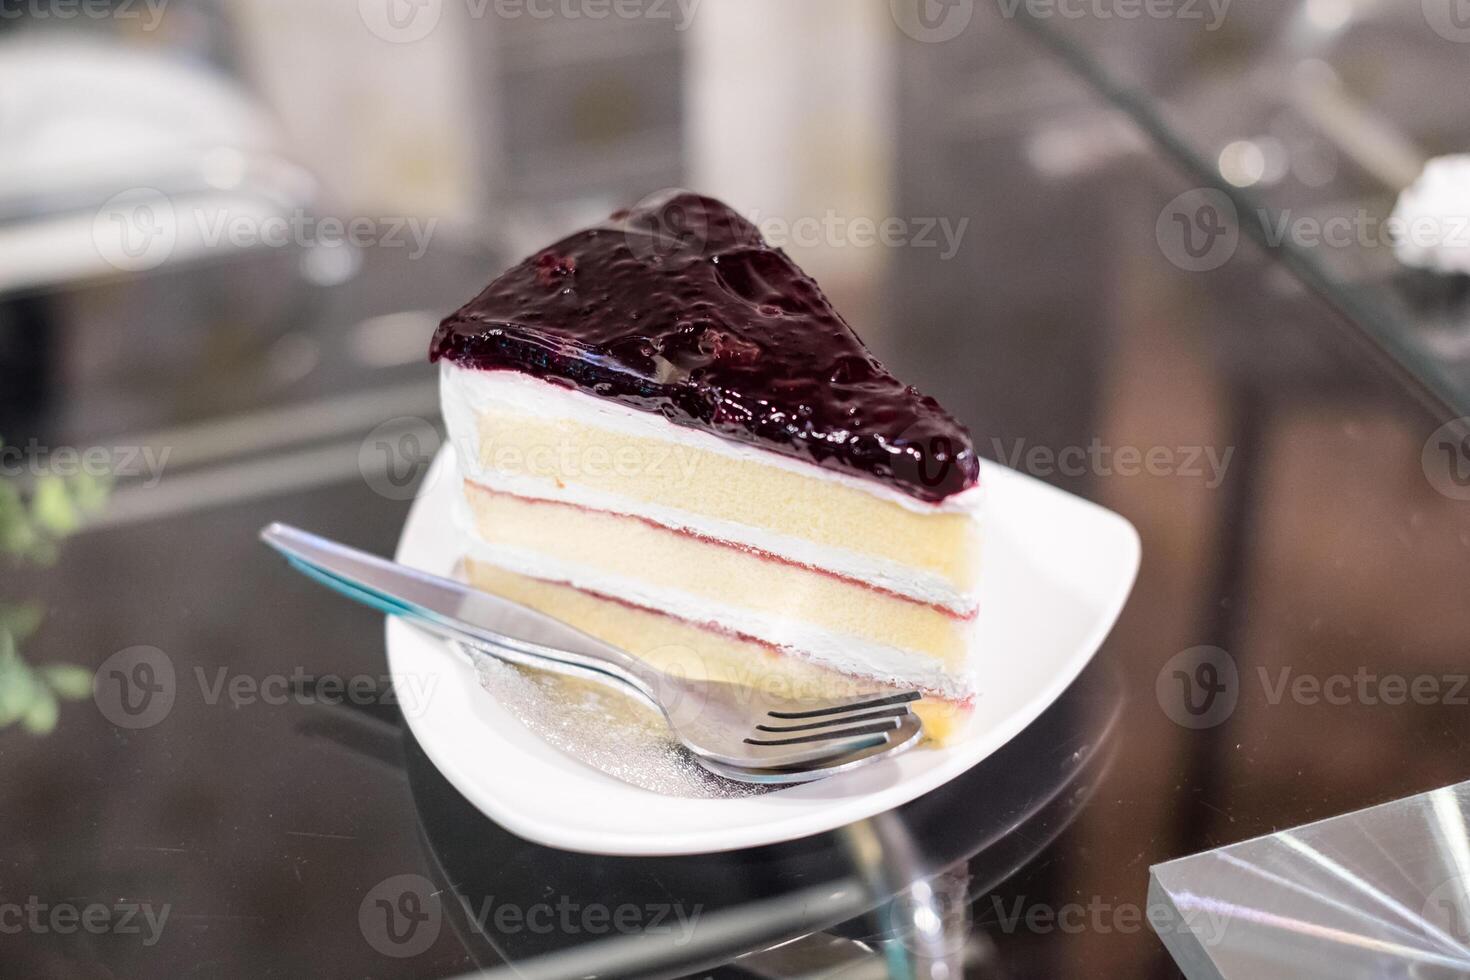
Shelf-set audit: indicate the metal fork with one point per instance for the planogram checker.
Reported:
(903, 737)
(728, 725)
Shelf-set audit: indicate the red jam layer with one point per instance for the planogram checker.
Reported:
(760, 553)
(967, 702)
(680, 307)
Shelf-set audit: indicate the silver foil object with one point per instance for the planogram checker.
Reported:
(1383, 892)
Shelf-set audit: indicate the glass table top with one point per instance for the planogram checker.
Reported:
(1302, 123)
(1294, 648)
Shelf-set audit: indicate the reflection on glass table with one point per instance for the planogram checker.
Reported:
(1303, 124)
(1383, 892)
(890, 894)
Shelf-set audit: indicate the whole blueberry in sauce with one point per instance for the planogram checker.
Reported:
(679, 307)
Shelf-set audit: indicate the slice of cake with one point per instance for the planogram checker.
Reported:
(671, 440)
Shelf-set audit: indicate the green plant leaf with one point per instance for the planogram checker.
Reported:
(68, 680)
(21, 621)
(40, 717)
(16, 532)
(10, 497)
(18, 688)
(52, 507)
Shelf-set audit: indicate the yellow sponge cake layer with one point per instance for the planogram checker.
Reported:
(727, 489)
(773, 600)
(534, 439)
(675, 645)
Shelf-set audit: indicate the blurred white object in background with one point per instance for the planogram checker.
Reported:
(388, 120)
(119, 161)
(79, 111)
(789, 115)
(1433, 217)
(579, 110)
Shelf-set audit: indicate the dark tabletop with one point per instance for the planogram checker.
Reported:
(1306, 533)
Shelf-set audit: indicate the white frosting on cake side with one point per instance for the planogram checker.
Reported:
(842, 652)
(466, 393)
(478, 391)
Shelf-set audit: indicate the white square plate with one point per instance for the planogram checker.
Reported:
(1057, 570)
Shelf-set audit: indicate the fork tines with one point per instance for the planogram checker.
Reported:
(852, 704)
(852, 718)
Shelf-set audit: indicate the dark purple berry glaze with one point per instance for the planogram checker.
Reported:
(679, 307)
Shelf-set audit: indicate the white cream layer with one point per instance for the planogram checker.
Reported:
(466, 393)
(841, 652)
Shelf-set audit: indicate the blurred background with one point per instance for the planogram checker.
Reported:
(210, 172)
(228, 228)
